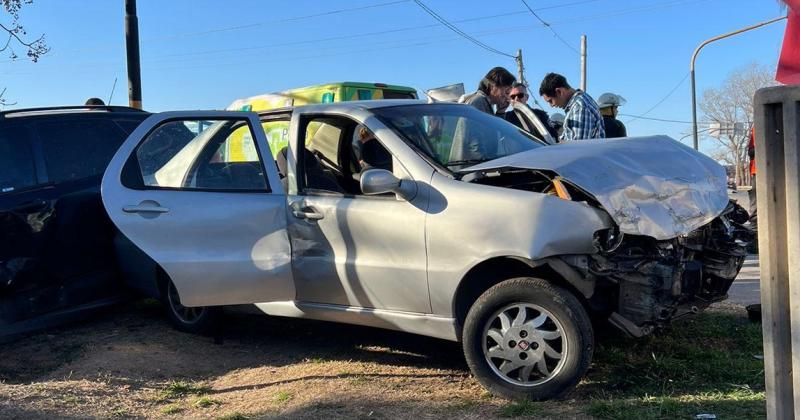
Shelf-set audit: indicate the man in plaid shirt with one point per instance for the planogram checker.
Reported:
(583, 119)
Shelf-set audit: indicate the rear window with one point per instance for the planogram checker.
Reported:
(16, 159)
(76, 149)
(396, 94)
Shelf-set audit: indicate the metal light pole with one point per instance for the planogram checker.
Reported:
(694, 57)
(132, 48)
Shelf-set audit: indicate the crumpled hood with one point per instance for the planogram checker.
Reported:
(653, 186)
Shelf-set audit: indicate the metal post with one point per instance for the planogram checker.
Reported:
(691, 69)
(777, 135)
(583, 63)
(132, 47)
(520, 67)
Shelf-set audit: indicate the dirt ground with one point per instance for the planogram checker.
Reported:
(131, 363)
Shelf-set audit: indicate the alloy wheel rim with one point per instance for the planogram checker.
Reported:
(524, 344)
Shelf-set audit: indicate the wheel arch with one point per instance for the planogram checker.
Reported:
(492, 271)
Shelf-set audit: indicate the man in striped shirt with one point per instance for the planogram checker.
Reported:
(583, 119)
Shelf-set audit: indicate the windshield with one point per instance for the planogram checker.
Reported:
(456, 136)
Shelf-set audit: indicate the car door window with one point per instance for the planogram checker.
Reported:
(75, 150)
(16, 159)
(337, 150)
(214, 155)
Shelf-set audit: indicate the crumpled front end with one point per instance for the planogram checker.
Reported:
(646, 283)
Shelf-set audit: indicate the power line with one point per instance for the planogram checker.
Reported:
(661, 101)
(547, 25)
(450, 26)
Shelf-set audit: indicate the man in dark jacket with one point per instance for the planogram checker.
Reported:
(493, 89)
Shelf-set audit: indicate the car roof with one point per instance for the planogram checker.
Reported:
(73, 109)
(353, 105)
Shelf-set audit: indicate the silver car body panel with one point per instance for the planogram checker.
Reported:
(410, 322)
(469, 223)
(652, 186)
(365, 251)
(218, 248)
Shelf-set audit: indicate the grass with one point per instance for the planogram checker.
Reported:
(283, 397)
(180, 389)
(204, 402)
(172, 409)
(703, 365)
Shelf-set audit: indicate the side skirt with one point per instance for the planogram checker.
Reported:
(414, 323)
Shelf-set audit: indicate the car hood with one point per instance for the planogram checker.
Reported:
(653, 186)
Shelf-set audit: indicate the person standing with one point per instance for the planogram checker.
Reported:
(493, 89)
(582, 120)
(608, 104)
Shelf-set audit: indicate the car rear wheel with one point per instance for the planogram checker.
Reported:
(196, 320)
(526, 339)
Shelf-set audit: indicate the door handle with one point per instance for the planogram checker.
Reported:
(311, 215)
(145, 209)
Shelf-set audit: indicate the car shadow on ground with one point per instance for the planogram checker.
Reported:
(135, 342)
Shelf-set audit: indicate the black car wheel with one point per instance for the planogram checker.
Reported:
(526, 339)
(196, 320)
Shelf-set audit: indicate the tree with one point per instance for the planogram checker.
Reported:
(18, 37)
(731, 106)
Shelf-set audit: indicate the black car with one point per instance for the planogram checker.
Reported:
(56, 255)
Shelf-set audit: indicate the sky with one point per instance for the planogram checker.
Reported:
(204, 54)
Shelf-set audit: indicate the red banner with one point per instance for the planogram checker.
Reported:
(789, 63)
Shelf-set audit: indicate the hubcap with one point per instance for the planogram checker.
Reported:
(185, 314)
(524, 344)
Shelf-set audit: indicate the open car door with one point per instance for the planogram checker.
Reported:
(199, 193)
(532, 124)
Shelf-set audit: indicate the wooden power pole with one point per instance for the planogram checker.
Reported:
(132, 47)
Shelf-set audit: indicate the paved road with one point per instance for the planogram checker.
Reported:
(745, 290)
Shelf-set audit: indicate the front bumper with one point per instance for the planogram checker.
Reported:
(654, 282)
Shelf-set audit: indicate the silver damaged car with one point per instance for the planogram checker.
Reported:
(434, 219)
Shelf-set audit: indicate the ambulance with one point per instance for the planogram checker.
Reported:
(240, 148)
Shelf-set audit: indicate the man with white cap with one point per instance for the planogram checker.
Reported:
(608, 104)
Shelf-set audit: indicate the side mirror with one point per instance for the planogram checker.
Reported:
(380, 181)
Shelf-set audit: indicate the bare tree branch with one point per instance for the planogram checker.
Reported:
(17, 36)
(732, 103)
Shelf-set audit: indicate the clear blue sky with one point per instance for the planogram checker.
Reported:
(203, 54)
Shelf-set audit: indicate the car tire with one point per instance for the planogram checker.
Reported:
(527, 339)
(196, 320)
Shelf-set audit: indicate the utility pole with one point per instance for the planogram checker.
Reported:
(691, 69)
(132, 47)
(520, 67)
(583, 63)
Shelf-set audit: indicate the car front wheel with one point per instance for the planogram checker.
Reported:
(527, 339)
(196, 320)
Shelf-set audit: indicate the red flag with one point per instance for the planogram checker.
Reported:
(789, 63)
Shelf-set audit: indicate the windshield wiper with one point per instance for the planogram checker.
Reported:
(466, 162)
